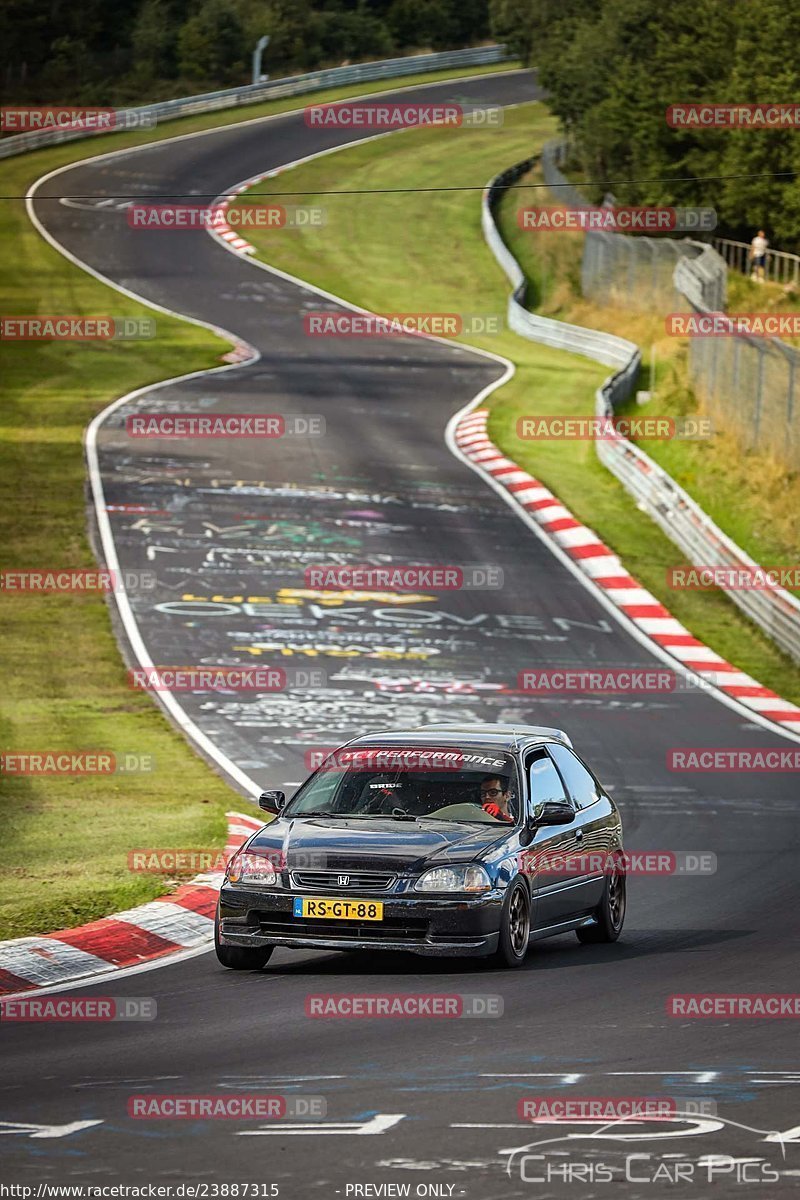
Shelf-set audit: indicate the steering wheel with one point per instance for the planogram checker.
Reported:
(383, 802)
(464, 810)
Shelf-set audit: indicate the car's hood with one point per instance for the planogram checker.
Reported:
(333, 843)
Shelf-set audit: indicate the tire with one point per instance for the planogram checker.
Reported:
(515, 927)
(610, 913)
(241, 958)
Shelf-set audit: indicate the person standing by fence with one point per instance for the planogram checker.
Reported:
(758, 256)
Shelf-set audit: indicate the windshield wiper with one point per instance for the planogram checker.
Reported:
(396, 815)
(320, 813)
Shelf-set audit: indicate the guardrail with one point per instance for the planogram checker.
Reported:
(781, 266)
(295, 85)
(600, 347)
(774, 610)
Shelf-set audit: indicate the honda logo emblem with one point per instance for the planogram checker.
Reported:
(342, 880)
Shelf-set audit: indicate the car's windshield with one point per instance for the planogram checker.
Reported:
(471, 786)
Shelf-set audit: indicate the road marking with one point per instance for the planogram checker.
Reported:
(789, 1135)
(45, 1131)
(377, 1124)
(574, 1078)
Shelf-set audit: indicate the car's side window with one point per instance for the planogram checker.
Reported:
(543, 779)
(582, 785)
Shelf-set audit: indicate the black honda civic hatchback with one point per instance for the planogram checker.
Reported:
(440, 840)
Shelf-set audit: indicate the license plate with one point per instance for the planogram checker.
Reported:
(333, 909)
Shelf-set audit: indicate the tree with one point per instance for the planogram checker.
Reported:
(756, 194)
(211, 44)
(154, 41)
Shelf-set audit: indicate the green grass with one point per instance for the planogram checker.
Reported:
(65, 839)
(64, 684)
(412, 251)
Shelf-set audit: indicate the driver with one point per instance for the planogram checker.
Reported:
(495, 798)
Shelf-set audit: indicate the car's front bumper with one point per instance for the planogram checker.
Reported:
(424, 925)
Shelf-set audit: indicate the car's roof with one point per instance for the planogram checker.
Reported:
(500, 737)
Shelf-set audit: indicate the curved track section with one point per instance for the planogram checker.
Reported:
(234, 524)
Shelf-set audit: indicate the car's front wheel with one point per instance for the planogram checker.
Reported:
(241, 958)
(515, 927)
(610, 913)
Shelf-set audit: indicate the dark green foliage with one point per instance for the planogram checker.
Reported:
(109, 52)
(612, 67)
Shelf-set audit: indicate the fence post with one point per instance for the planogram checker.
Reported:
(790, 396)
(759, 395)
(736, 352)
(713, 371)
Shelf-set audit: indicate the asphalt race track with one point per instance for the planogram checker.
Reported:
(233, 525)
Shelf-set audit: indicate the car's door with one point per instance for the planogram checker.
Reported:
(596, 821)
(558, 893)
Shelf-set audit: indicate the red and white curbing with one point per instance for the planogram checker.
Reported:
(606, 571)
(181, 920)
(222, 229)
(240, 353)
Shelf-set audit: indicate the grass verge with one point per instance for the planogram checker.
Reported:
(422, 251)
(66, 838)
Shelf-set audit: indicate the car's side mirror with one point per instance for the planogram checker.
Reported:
(552, 812)
(272, 802)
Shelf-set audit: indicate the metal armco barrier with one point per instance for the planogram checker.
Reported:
(295, 85)
(775, 610)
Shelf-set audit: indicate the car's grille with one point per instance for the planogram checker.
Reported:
(343, 881)
(283, 924)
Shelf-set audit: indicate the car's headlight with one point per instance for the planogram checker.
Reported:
(468, 877)
(252, 868)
